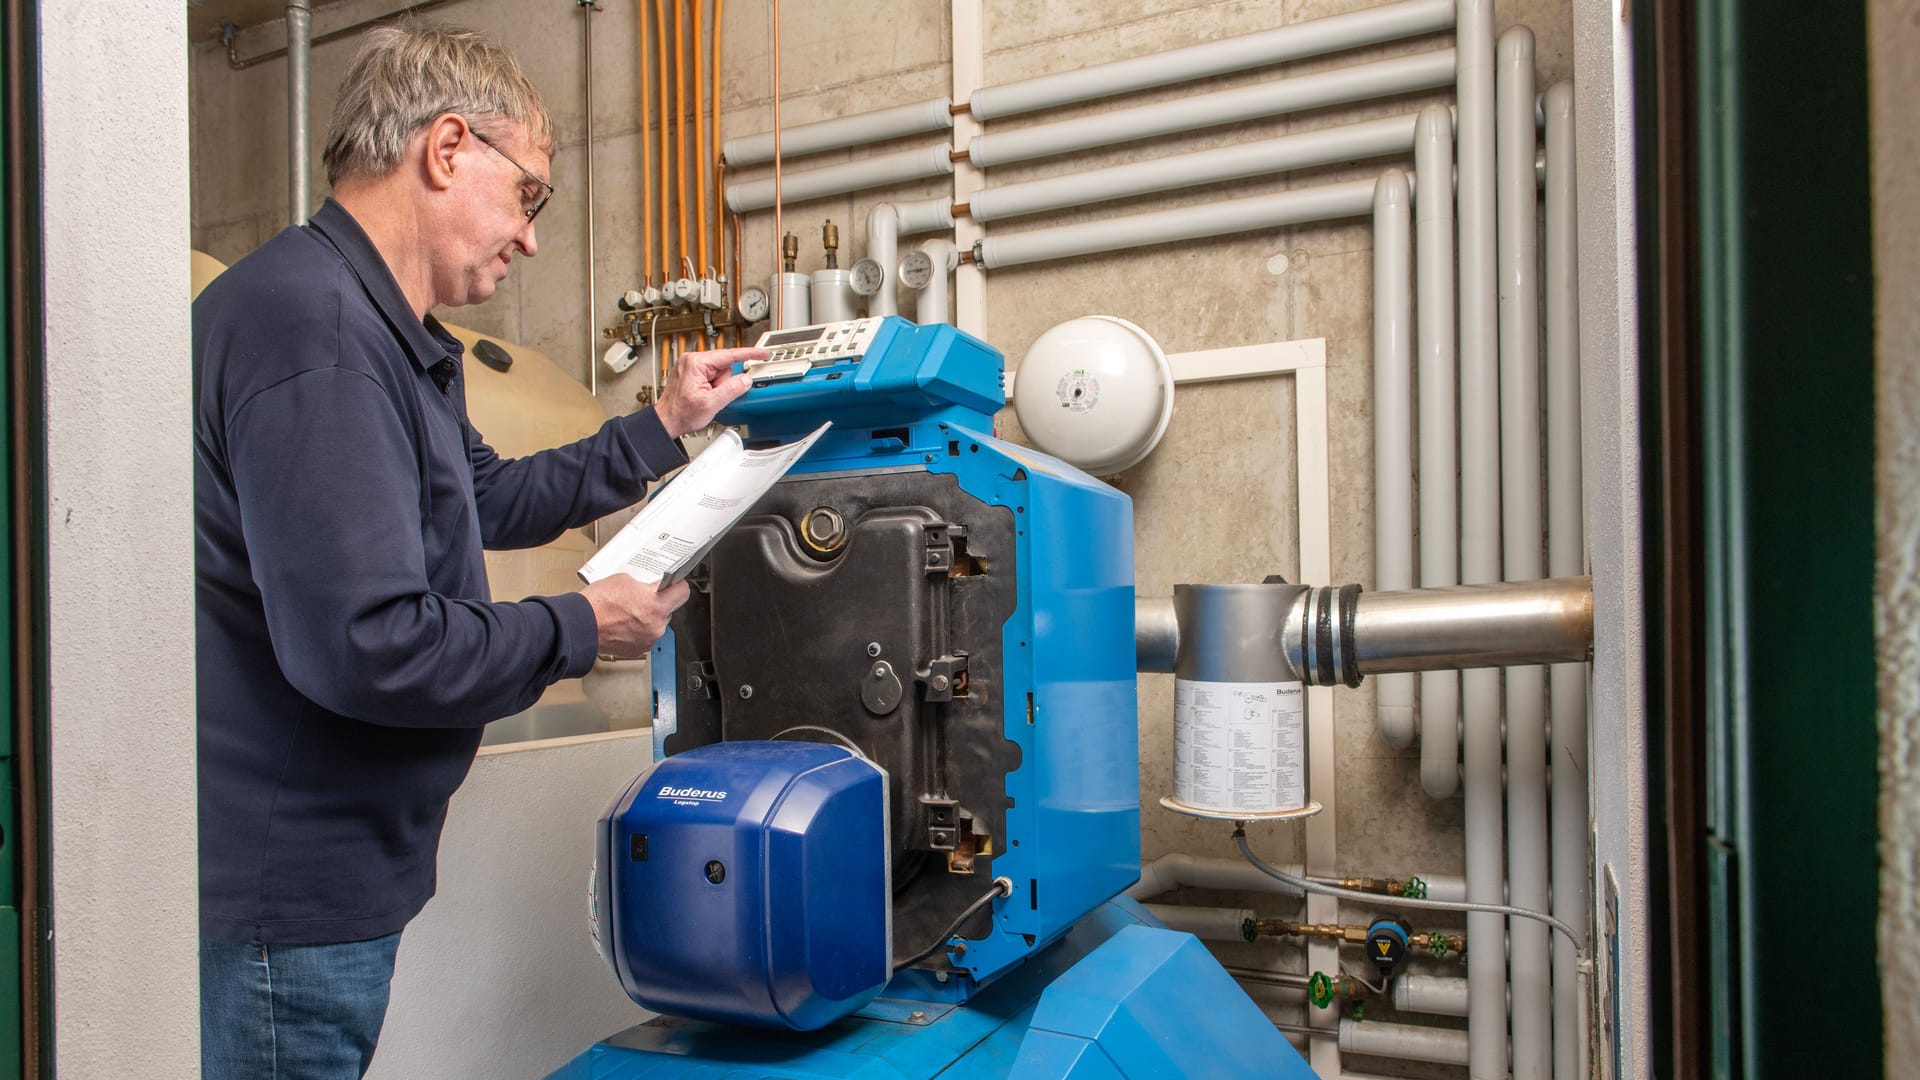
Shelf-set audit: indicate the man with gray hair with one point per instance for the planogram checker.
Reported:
(349, 652)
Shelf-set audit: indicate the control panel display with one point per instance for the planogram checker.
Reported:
(792, 353)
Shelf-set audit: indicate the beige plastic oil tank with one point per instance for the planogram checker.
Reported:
(530, 406)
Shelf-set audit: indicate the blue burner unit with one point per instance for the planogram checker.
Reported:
(918, 601)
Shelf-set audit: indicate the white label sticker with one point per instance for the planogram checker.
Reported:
(1239, 746)
(1078, 391)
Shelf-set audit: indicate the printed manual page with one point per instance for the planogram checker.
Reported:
(673, 532)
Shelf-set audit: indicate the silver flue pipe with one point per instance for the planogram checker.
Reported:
(1337, 634)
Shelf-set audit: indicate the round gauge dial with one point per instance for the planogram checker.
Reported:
(753, 303)
(868, 277)
(916, 270)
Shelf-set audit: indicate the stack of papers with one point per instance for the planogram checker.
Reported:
(685, 518)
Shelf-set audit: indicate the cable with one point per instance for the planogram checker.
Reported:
(827, 731)
(1001, 887)
(1380, 990)
(1240, 840)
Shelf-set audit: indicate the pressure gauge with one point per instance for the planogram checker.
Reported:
(753, 303)
(916, 270)
(868, 277)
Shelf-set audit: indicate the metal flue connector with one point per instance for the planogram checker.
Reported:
(1337, 634)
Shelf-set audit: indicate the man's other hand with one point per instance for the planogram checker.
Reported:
(699, 386)
(631, 615)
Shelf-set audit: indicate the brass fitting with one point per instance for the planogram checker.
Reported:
(790, 250)
(830, 239)
(1282, 928)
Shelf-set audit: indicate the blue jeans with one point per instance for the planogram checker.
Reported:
(292, 1012)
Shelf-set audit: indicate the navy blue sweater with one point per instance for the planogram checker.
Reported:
(348, 649)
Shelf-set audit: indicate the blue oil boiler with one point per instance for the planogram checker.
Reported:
(895, 797)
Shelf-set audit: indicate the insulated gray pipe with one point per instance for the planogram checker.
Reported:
(1566, 554)
(1522, 536)
(1480, 535)
(866, 174)
(1362, 82)
(1327, 202)
(920, 118)
(1439, 459)
(299, 49)
(1348, 142)
(1314, 37)
(1464, 627)
(1393, 424)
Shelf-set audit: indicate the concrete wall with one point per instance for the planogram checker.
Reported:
(120, 540)
(1894, 31)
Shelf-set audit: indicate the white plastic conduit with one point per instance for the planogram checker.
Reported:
(1566, 554)
(931, 305)
(1436, 995)
(925, 215)
(1362, 82)
(1393, 426)
(1205, 923)
(1329, 202)
(842, 132)
(882, 170)
(1480, 534)
(883, 247)
(1444, 1046)
(1348, 142)
(1523, 537)
(1268, 47)
(1439, 517)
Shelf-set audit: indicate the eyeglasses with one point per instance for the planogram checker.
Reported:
(530, 205)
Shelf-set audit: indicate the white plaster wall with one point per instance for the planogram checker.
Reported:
(1894, 31)
(1609, 355)
(120, 543)
(496, 977)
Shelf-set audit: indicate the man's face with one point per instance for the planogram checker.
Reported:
(501, 180)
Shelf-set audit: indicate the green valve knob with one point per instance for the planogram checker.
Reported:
(1416, 888)
(1320, 990)
(1359, 1011)
(1249, 929)
(1440, 944)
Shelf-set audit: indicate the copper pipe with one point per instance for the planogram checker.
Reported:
(647, 235)
(719, 172)
(700, 131)
(779, 229)
(662, 160)
(958, 155)
(680, 164)
(956, 110)
(961, 209)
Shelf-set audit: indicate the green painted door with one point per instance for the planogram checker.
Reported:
(1786, 434)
